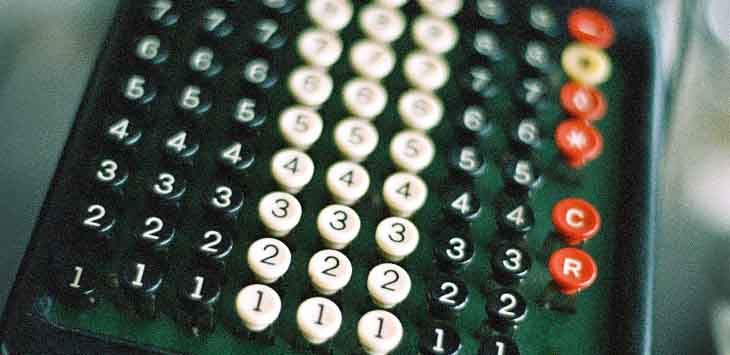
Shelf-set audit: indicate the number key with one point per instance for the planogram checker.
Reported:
(122, 132)
(514, 218)
(180, 146)
(204, 62)
(162, 13)
(97, 220)
(520, 176)
(249, 114)
(292, 169)
(510, 263)
(213, 244)
(467, 161)
(379, 332)
(447, 296)
(215, 23)
(318, 319)
(525, 135)
(396, 238)
(329, 271)
(137, 91)
(498, 345)
(388, 285)
(167, 187)
(193, 102)
(258, 306)
(279, 212)
(236, 157)
(260, 73)
(155, 230)
(268, 259)
(505, 308)
(453, 251)
(74, 281)
(462, 204)
(474, 123)
(268, 33)
(109, 174)
(150, 49)
(223, 199)
(439, 339)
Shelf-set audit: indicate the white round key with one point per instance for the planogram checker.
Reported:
(279, 212)
(269, 259)
(404, 193)
(379, 332)
(329, 271)
(310, 86)
(318, 319)
(381, 23)
(364, 98)
(319, 48)
(441, 8)
(355, 138)
(412, 150)
(258, 306)
(292, 169)
(396, 238)
(420, 109)
(338, 225)
(388, 285)
(426, 71)
(347, 182)
(434, 34)
(300, 126)
(392, 3)
(332, 15)
(371, 59)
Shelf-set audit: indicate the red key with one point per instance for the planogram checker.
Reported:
(591, 27)
(578, 141)
(575, 220)
(582, 101)
(573, 270)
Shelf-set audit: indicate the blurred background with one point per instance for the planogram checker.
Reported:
(48, 51)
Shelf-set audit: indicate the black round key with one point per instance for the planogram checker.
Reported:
(474, 123)
(161, 13)
(467, 161)
(180, 146)
(493, 13)
(439, 339)
(461, 203)
(109, 174)
(267, 33)
(194, 102)
(166, 186)
(505, 308)
(213, 243)
(204, 62)
(453, 250)
(150, 49)
(137, 91)
(510, 263)
(155, 230)
(530, 93)
(515, 218)
(259, 72)
(97, 220)
(236, 157)
(536, 59)
(223, 199)
(215, 23)
(198, 290)
(447, 297)
(279, 6)
(520, 175)
(525, 135)
(250, 114)
(122, 132)
(141, 278)
(542, 21)
(487, 45)
(498, 345)
(479, 82)
(74, 280)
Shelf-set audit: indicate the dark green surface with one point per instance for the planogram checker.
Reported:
(543, 332)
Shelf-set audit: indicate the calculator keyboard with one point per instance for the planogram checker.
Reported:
(346, 177)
